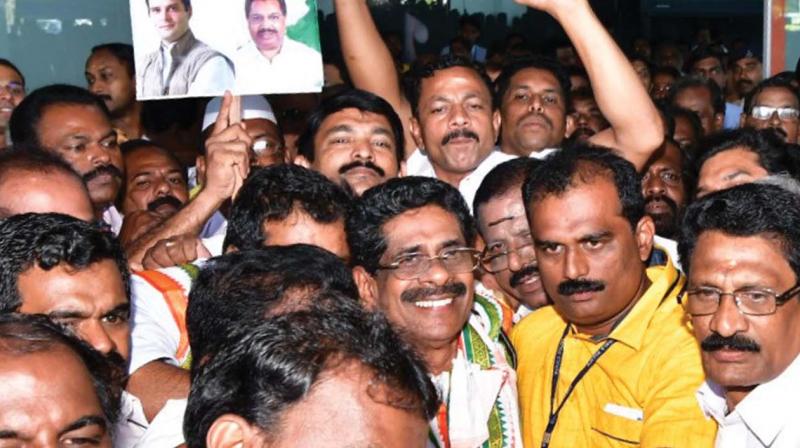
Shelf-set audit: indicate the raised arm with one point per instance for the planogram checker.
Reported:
(636, 127)
(368, 60)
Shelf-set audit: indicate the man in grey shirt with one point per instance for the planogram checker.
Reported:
(182, 65)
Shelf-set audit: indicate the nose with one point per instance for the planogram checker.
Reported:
(536, 104)
(95, 335)
(575, 264)
(775, 120)
(98, 155)
(162, 187)
(436, 273)
(728, 320)
(652, 184)
(362, 150)
(458, 116)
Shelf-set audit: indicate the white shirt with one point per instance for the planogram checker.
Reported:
(113, 218)
(296, 68)
(419, 164)
(154, 333)
(671, 247)
(767, 417)
(133, 430)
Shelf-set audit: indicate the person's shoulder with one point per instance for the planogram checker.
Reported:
(538, 327)
(294, 46)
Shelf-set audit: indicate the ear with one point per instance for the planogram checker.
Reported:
(719, 121)
(497, 121)
(302, 161)
(230, 431)
(367, 287)
(402, 172)
(200, 166)
(645, 231)
(416, 133)
(570, 127)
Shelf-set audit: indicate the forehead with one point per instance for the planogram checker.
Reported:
(707, 62)
(586, 207)
(534, 79)
(354, 118)
(300, 228)
(259, 127)
(164, 3)
(404, 230)
(736, 157)
(693, 95)
(148, 157)
(103, 58)
(747, 63)
(65, 118)
(265, 5)
(51, 192)
(43, 291)
(776, 96)
(453, 82)
(718, 257)
(669, 157)
(7, 74)
(503, 212)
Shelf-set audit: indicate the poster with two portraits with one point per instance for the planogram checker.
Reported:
(201, 48)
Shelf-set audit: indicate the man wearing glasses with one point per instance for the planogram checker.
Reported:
(412, 244)
(12, 91)
(774, 104)
(741, 248)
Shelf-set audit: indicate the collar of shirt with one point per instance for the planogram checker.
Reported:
(770, 407)
(180, 46)
(113, 218)
(542, 153)
(666, 281)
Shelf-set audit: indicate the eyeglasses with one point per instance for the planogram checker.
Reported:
(496, 260)
(13, 89)
(669, 177)
(705, 301)
(766, 112)
(456, 260)
(264, 147)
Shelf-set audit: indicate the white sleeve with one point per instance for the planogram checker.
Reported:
(213, 78)
(154, 334)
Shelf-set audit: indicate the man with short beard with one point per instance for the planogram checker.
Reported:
(588, 118)
(74, 124)
(665, 190)
(774, 104)
(110, 75)
(747, 71)
(76, 274)
(740, 248)
(412, 241)
(355, 139)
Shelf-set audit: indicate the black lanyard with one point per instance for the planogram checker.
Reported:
(554, 411)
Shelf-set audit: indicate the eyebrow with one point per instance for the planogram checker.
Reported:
(736, 174)
(596, 236)
(121, 308)
(8, 434)
(501, 220)
(339, 128)
(86, 420)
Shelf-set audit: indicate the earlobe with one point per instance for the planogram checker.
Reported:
(414, 128)
(497, 121)
(367, 287)
(402, 172)
(302, 161)
(230, 431)
(645, 231)
(570, 127)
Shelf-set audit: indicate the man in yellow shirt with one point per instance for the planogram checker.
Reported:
(612, 362)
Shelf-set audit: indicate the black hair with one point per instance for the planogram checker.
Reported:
(745, 210)
(443, 62)
(48, 240)
(579, 165)
(538, 62)
(24, 123)
(666, 70)
(501, 179)
(383, 202)
(766, 144)
(23, 334)
(6, 63)
(469, 19)
(139, 143)
(123, 53)
(688, 82)
(769, 83)
(248, 5)
(705, 52)
(273, 193)
(262, 372)
(187, 4)
(694, 120)
(356, 99)
(243, 288)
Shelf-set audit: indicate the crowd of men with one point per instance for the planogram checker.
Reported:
(601, 254)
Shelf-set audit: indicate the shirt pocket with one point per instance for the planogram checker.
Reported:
(617, 425)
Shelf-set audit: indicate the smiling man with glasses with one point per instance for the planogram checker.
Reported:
(741, 248)
(774, 103)
(412, 242)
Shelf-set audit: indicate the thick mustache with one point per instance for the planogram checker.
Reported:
(105, 169)
(662, 197)
(736, 342)
(460, 133)
(417, 294)
(519, 276)
(263, 31)
(360, 164)
(570, 287)
(164, 200)
(539, 115)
